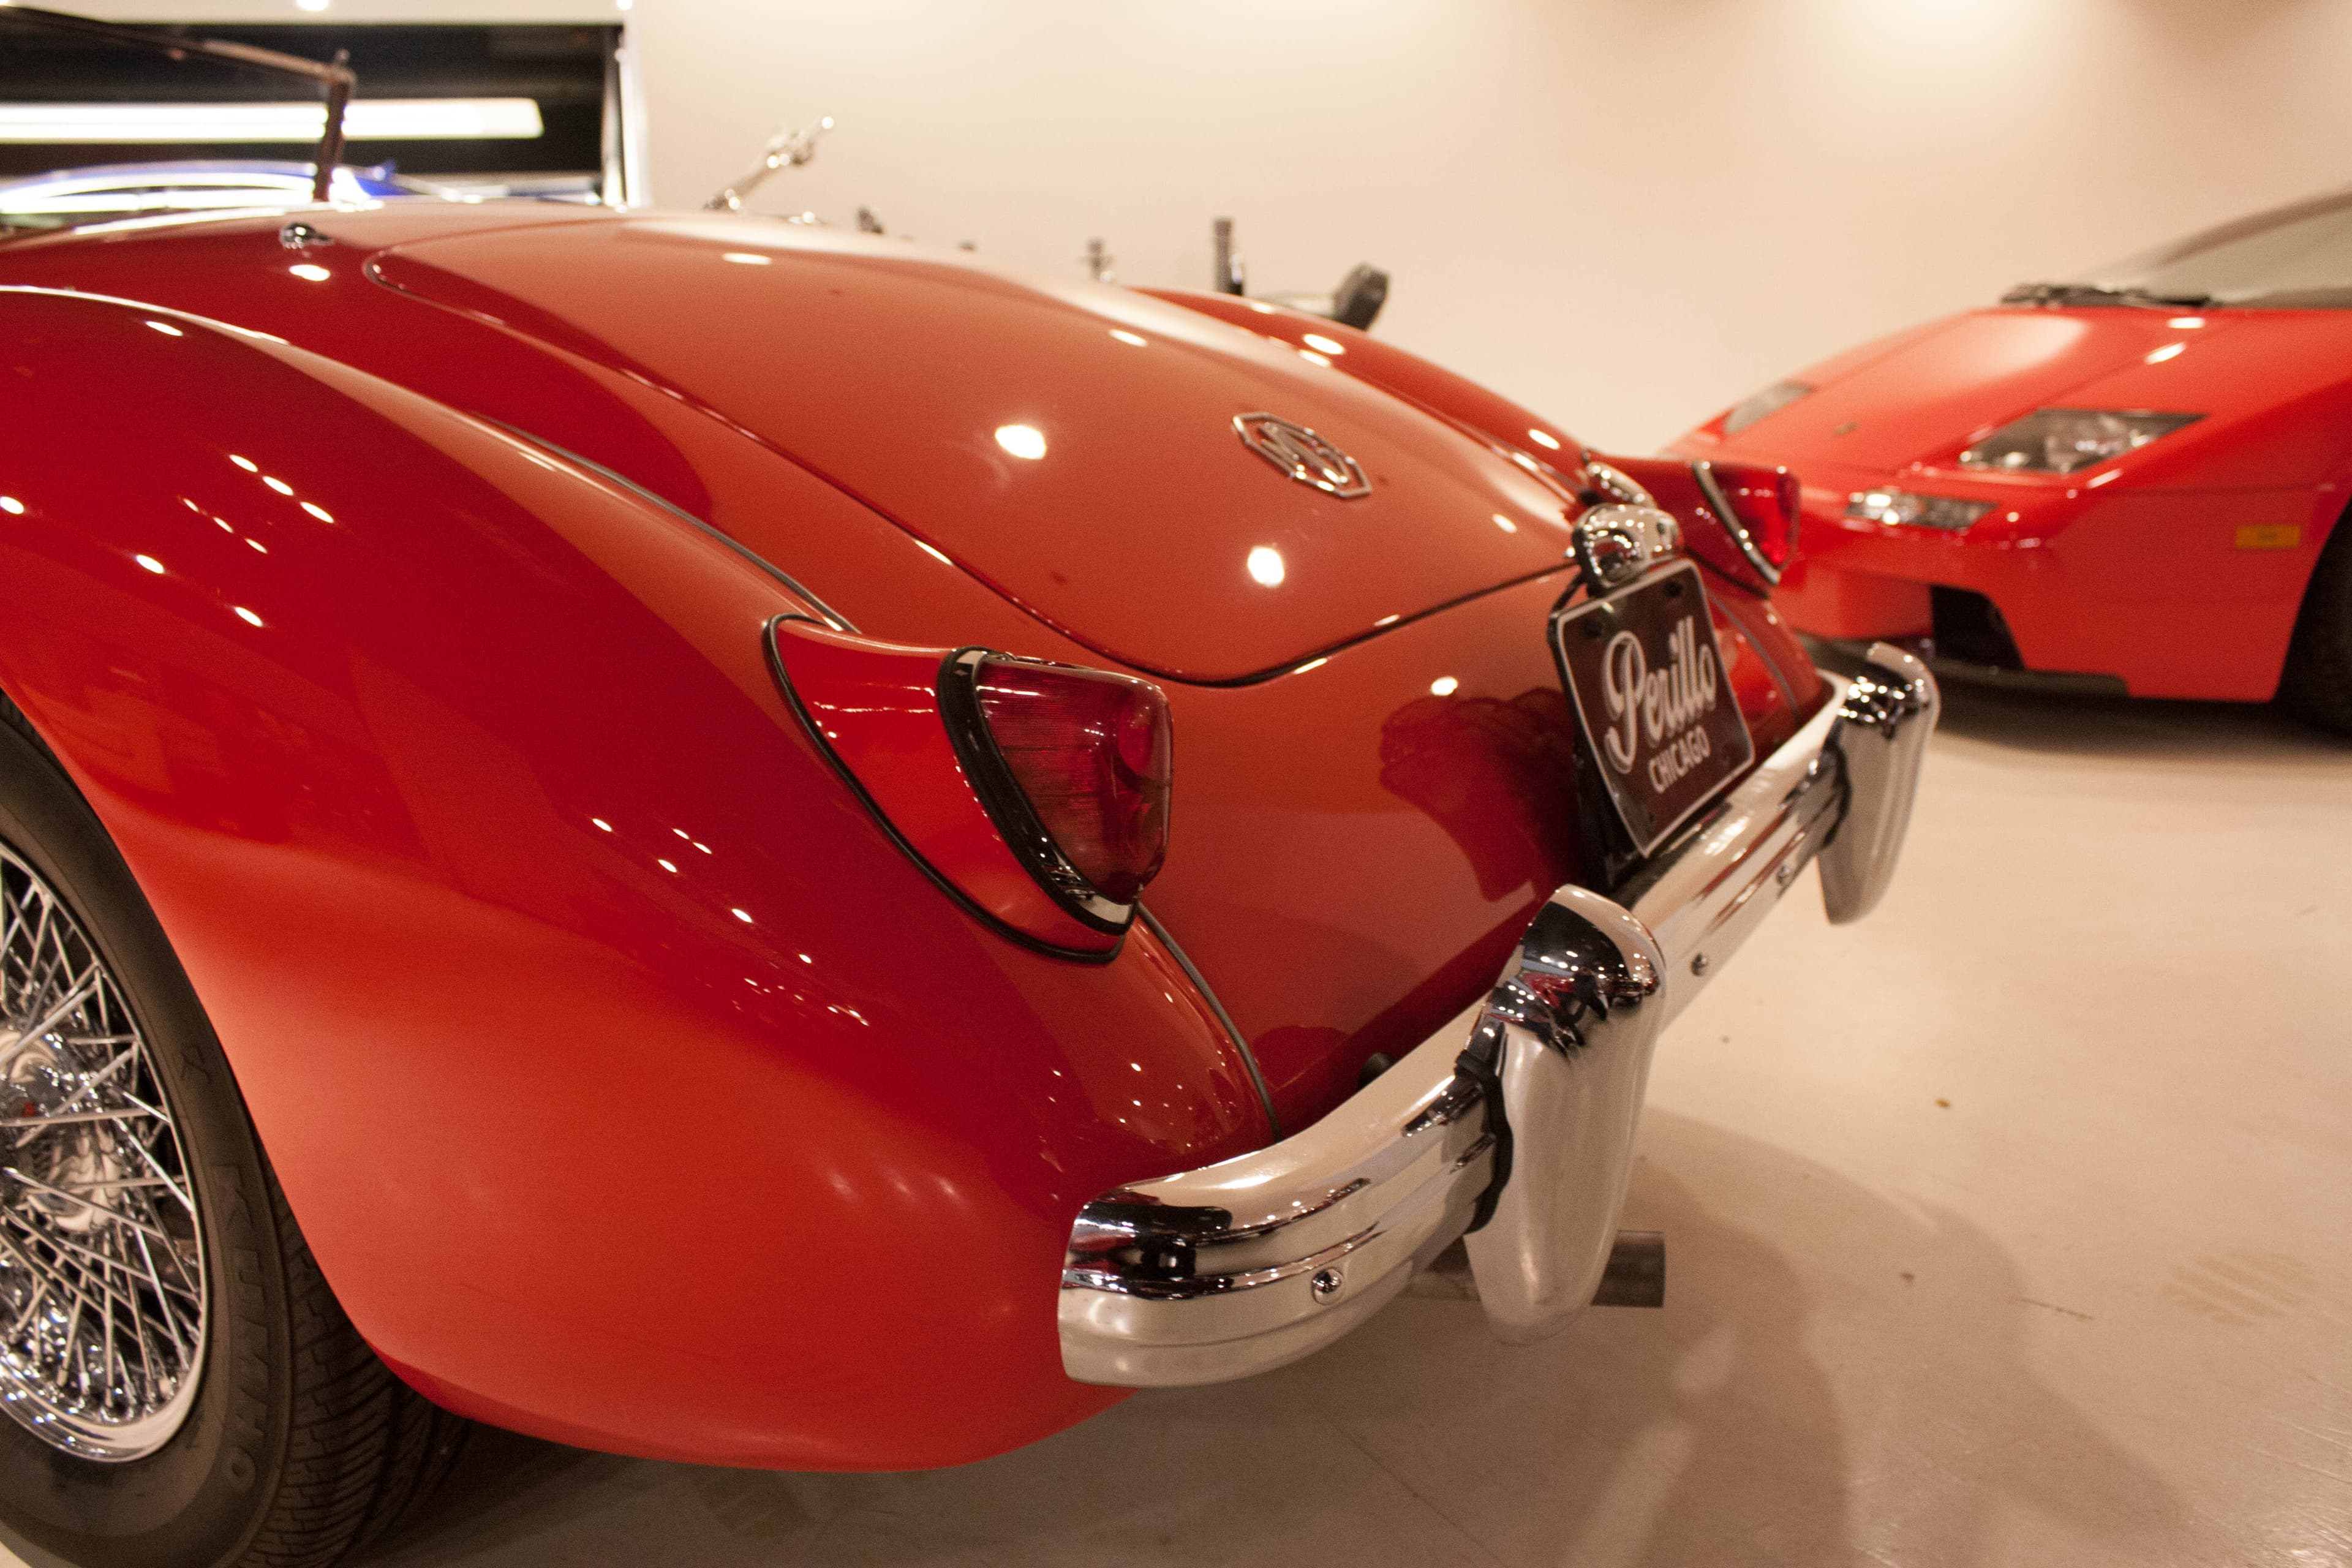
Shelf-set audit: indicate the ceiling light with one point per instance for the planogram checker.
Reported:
(367, 119)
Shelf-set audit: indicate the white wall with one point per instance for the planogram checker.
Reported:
(1625, 212)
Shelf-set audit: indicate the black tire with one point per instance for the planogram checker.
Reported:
(300, 1447)
(2317, 684)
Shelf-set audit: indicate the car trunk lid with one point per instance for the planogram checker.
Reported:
(1073, 445)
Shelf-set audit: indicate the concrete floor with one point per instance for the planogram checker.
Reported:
(2009, 1226)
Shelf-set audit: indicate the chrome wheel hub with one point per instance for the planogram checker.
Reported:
(102, 1296)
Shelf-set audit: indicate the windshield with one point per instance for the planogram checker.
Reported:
(2292, 258)
(101, 122)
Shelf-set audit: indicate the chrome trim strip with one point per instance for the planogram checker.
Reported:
(1243, 1265)
(1704, 471)
(1208, 994)
(825, 612)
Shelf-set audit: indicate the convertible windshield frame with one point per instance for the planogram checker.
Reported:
(335, 76)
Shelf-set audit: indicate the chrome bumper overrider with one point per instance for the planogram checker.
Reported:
(1517, 1117)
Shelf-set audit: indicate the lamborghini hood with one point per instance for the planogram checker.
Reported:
(1919, 396)
(1075, 447)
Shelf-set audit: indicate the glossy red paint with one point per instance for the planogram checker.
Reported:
(413, 834)
(1359, 845)
(1764, 506)
(2092, 571)
(1075, 420)
(1541, 448)
(478, 821)
(875, 709)
(1457, 399)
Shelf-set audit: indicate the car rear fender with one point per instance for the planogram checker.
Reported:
(605, 1047)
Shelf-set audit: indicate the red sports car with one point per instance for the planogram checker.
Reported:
(2133, 480)
(726, 841)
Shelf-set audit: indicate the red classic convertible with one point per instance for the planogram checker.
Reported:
(2131, 481)
(734, 842)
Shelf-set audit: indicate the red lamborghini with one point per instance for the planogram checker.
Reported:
(2130, 481)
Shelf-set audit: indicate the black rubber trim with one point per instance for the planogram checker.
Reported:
(1001, 796)
(1481, 1062)
(939, 880)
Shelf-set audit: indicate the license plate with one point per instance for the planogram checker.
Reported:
(1646, 675)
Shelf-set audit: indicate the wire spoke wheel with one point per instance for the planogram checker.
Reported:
(103, 1291)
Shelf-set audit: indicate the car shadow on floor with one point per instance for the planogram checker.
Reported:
(1876, 1404)
(2153, 729)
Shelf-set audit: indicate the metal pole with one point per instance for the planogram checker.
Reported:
(337, 78)
(330, 145)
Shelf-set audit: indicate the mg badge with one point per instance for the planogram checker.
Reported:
(1303, 455)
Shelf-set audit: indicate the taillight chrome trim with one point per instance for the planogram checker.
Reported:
(890, 830)
(1001, 796)
(1734, 525)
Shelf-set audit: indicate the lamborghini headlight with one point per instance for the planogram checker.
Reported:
(1913, 510)
(2060, 440)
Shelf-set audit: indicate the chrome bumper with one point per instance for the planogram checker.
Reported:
(1516, 1122)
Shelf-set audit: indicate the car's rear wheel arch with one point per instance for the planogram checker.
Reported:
(297, 1445)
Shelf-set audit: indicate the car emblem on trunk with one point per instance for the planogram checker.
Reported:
(1303, 455)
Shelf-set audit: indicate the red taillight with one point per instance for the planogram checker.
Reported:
(1036, 793)
(1760, 506)
(1094, 757)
